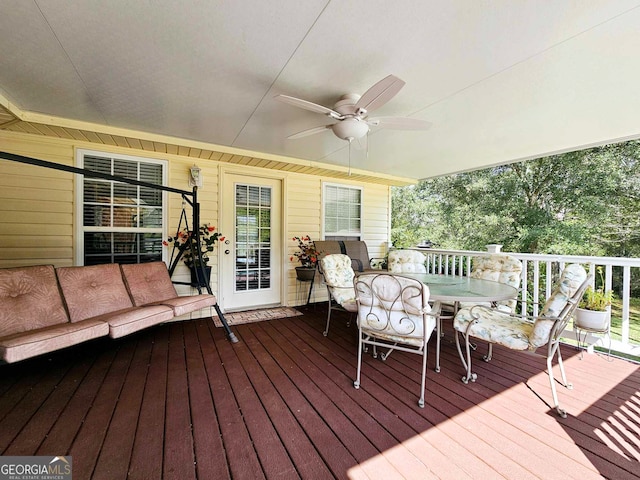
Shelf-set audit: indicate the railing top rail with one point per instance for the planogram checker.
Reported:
(620, 261)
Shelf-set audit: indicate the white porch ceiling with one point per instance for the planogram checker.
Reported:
(501, 81)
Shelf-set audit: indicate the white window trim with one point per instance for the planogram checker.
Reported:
(322, 214)
(79, 199)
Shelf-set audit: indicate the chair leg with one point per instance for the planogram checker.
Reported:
(489, 354)
(438, 337)
(556, 404)
(385, 355)
(356, 383)
(424, 376)
(326, 330)
(466, 359)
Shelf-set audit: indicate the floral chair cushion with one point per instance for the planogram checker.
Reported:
(406, 261)
(495, 326)
(573, 276)
(498, 268)
(393, 308)
(338, 275)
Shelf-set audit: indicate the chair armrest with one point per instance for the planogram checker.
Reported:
(436, 309)
(515, 316)
(378, 263)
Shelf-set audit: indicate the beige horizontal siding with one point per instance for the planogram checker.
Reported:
(37, 204)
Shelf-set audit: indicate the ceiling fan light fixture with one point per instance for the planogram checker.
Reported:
(353, 128)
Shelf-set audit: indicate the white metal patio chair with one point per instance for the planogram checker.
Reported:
(394, 313)
(521, 332)
(497, 268)
(338, 277)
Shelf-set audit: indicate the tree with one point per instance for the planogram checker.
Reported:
(583, 202)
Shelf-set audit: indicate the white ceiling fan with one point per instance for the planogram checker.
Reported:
(352, 112)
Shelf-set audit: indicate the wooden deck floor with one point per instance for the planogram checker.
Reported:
(179, 401)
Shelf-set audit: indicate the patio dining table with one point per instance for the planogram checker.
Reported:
(454, 289)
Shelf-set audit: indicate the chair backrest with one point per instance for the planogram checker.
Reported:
(356, 250)
(406, 261)
(561, 304)
(393, 306)
(499, 268)
(338, 276)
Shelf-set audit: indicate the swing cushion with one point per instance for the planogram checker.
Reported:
(150, 284)
(98, 292)
(29, 299)
(93, 290)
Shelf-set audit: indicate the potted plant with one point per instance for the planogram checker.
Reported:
(185, 240)
(592, 312)
(307, 255)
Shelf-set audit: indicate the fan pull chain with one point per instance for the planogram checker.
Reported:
(367, 151)
(350, 140)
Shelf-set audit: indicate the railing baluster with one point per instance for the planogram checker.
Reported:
(626, 289)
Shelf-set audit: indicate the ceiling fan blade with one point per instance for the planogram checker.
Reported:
(399, 123)
(379, 94)
(314, 107)
(310, 131)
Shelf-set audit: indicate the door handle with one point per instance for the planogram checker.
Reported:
(227, 252)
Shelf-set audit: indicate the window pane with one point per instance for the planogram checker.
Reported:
(150, 217)
(98, 164)
(265, 197)
(150, 196)
(342, 210)
(97, 192)
(265, 218)
(117, 206)
(126, 169)
(151, 173)
(254, 196)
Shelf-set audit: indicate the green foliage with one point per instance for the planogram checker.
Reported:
(596, 299)
(583, 202)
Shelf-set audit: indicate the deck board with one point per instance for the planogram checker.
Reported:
(180, 401)
(148, 445)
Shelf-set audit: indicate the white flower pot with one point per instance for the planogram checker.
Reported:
(591, 319)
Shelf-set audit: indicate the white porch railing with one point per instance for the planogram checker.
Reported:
(536, 267)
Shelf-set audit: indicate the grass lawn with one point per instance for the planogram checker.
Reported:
(634, 320)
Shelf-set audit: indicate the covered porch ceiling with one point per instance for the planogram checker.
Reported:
(500, 81)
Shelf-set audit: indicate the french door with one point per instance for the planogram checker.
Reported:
(251, 268)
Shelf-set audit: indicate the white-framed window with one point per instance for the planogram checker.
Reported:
(119, 222)
(342, 212)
